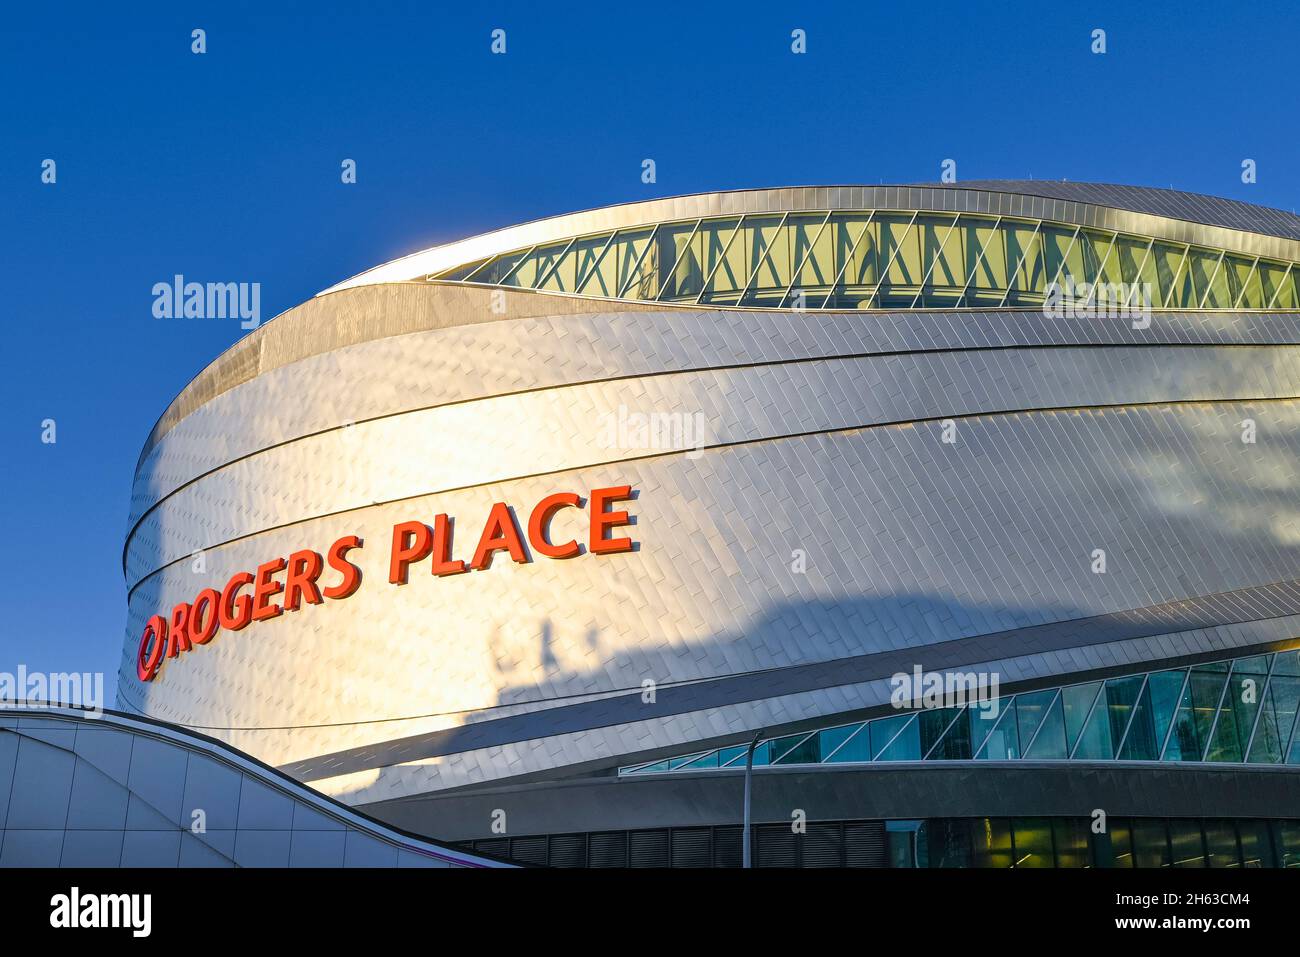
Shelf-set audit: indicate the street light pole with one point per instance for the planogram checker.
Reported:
(749, 780)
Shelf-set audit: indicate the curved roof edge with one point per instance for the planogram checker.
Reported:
(38, 717)
(1213, 221)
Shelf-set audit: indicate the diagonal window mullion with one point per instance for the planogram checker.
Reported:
(668, 274)
(1218, 710)
(1178, 706)
(559, 260)
(794, 276)
(511, 271)
(722, 257)
(894, 737)
(767, 251)
(1128, 725)
(961, 300)
(1280, 286)
(1178, 273)
(961, 710)
(776, 758)
(1254, 271)
(1137, 280)
(586, 276)
(1259, 711)
(880, 277)
(1038, 234)
(1064, 259)
(1101, 269)
(938, 253)
(1083, 727)
(845, 265)
(1047, 713)
(636, 266)
(1209, 286)
(856, 731)
(974, 751)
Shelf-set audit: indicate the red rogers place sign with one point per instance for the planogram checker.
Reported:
(248, 596)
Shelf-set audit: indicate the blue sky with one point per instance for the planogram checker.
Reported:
(225, 167)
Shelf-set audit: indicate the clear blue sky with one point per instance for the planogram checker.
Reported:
(225, 167)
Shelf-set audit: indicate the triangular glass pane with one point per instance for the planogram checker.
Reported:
(1095, 742)
(1003, 743)
(795, 749)
(1077, 701)
(1275, 722)
(709, 760)
(1050, 741)
(933, 722)
(854, 750)
(1237, 713)
(1139, 742)
(1288, 663)
(955, 744)
(906, 746)
(883, 730)
(731, 755)
(1030, 708)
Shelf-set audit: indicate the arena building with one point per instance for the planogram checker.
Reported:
(969, 507)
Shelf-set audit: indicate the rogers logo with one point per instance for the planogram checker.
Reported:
(235, 607)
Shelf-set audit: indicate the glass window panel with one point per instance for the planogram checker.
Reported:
(1275, 720)
(605, 275)
(1221, 844)
(579, 259)
(948, 842)
(1146, 733)
(1288, 835)
(675, 763)
(1170, 272)
(1071, 840)
(956, 742)
(856, 264)
(1095, 742)
(729, 756)
(900, 248)
(943, 265)
(710, 760)
(659, 260)
(991, 842)
(1030, 709)
(795, 749)
(632, 253)
(1243, 281)
(681, 261)
(986, 264)
(1095, 257)
(832, 738)
(1256, 848)
(1202, 266)
(856, 748)
(1119, 837)
(1077, 702)
(711, 250)
(1003, 742)
(1025, 264)
(1121, 697)
(1188, 850)
(933, 722)
(1150, 843)
(1288, 663)
(1271, 275)
(1066, 255)
(1033, 837)
(1237, 713)
(1126, 261)
(906, 746)
(533, 266)
(883, 730)
(814, 257)
(1049, 744)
